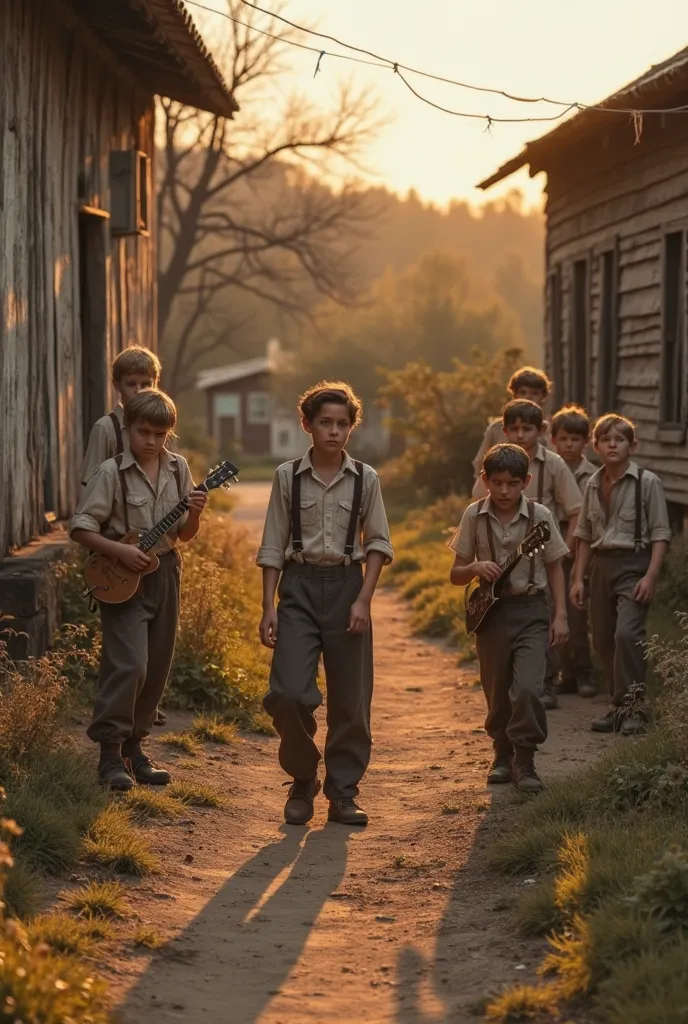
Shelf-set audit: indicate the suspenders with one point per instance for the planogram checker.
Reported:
(296, 534)
(118, 434)
(490, 535)
(638, 537)
(541, 482)
(123, 485)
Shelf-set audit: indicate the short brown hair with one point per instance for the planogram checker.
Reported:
(334, 391)
(573, 419)
(530, 377)
(151, 406)
(612, 421)
(525, 410)
(136, 359)
(506, 458)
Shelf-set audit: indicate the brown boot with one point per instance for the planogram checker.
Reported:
(347, 812)
(113, 773)
(298, 809)
(526, 778)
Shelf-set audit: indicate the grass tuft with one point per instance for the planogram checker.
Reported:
(213, 729)
(195, 795)
(523, 1003)
(147, 803)
(99, 899)
(67, 935)
(527, 848)
(50, 842)
(22, 891)
(537, 912)
(112, 842)
(147, 938)
(184, 741)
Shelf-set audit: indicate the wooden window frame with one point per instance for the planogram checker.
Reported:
(578, 397)
(608, 248)
(555, 334)
(251, 398)
(673, 432)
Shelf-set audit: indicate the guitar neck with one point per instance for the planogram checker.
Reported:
(166, 523)
(510, 564)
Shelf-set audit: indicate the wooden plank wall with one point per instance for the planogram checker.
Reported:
(631, 194)
(63, 108)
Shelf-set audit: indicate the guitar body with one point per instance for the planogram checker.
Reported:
(478, 603)
(111, 582)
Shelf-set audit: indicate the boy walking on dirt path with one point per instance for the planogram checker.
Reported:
(551, 484)
(135, 491)
(325, 519)
(512, 642)
(570, 437)
(623, 533)
(529, 384)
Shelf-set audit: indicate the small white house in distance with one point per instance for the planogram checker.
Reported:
(243, 409)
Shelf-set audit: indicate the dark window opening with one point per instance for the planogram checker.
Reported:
(672, 405)
(579, 349)
(609, 319)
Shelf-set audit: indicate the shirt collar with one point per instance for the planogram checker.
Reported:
(522, 508)
(539, 453)
(168, 460)
(119, 412)
(307, 463)
(632, 471)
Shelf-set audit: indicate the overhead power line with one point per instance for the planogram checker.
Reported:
(372, 59)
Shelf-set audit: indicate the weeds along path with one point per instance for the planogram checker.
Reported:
(401, 922)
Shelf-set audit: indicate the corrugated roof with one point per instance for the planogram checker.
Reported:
(159, 43)
(646, 91)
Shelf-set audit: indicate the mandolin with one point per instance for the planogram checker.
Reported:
(485, 595)
(111, 582)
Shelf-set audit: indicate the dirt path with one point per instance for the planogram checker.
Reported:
(399, 922)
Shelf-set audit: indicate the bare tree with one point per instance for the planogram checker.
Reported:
(266, 205)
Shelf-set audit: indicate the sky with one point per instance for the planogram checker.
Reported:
(580, 51)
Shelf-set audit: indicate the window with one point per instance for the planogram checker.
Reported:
(608, 338)
(672, 404)
(555, 336)
(284, 438)
(579, 345)
(258, 407)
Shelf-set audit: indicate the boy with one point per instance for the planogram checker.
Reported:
(133, 492)
(570, 437)
(551, 484)
(512, 643)
(623, 533)
(527, 383)
(325, 519)
(133, 369)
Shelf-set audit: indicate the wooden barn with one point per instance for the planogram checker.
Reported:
(617, 239)
(77, 234)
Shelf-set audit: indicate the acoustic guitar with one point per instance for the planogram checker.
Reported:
(485, 595)
(109, 581)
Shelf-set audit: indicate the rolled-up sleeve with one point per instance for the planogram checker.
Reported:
(277, 529)
(656, 510)
(583, 529)
(95, 505)
(374, 519)
(463, 541)
(555, 548)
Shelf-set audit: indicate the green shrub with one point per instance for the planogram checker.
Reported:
(651, 988)
(662, 893)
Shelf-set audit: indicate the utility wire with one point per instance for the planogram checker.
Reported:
(396, 67)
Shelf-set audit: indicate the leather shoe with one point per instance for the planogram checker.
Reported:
(549, 698)
(147, 773)
(113, 774)
(160, 718)
(526, 778)
(500, 771)
(587, 689)
(298, 809)
(347, 812)
(609, 722)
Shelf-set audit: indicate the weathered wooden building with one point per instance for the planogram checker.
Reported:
(617, 240)
(77, 239)
(77, 235)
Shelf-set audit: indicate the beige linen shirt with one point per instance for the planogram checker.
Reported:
(560, 492)
(613, 529)
(102, 504)
(581, 475)
(494, 434)
(325, 514)
(471, 542)
(102, 444)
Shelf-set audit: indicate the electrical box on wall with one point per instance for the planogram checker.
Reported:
(129, 192)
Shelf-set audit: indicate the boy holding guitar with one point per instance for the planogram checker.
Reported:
(513, 636)
(133, 492)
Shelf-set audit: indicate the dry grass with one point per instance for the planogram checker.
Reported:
(147, 803)
(99, 899)
(184, 741)
(78, 937)
(213, 729)
(147, 938)
(113, 842)
(195, 795)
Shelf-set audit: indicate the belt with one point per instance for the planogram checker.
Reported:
(321, 571)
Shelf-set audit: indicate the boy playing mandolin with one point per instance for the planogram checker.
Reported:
(133, 492)
(513, 638)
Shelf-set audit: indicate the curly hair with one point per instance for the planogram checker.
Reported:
(336, 392)
(530, 377)
(573, 419)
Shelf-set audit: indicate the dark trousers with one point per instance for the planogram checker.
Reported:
(512, 647)
(574, 660)
(618, 621)
(138, 645)
(313, 616)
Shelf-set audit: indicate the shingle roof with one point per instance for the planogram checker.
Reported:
(159, 43)
(648, 91)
